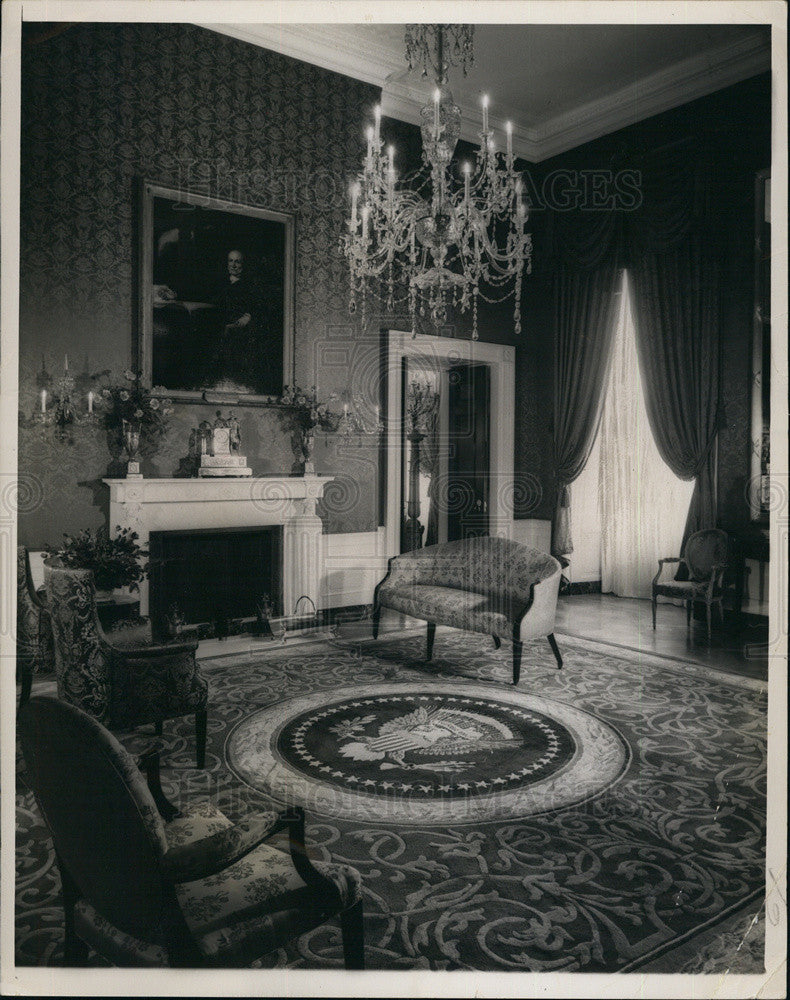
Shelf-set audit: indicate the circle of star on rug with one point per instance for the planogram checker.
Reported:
(428, 753)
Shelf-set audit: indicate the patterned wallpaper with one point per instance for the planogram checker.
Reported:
(106, 105)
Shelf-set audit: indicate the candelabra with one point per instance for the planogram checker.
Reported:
(355, 419)
(441, 239)
(58, 409)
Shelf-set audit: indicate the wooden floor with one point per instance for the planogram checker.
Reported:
(627, 622)
(619, 621)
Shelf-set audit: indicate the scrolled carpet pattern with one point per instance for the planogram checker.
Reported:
(619, 881)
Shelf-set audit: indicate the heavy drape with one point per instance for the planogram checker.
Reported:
(675, 271)
(585, 310)
(671, 240)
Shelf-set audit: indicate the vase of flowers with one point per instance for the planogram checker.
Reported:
(136, 417)
(115, 560)
(304, 415)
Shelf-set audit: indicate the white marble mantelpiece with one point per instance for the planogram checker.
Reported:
(147, 505)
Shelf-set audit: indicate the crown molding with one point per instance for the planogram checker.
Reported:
(336, 47)
(686, 81)
(331, 46)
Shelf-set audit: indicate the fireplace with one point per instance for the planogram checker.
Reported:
(215, 577)
(191, 506)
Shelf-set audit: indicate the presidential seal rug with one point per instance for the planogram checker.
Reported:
(606, 817)
(430, 753)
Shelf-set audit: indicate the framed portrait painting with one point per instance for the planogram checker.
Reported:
(216, 296)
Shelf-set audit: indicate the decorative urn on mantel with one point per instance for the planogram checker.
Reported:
(131, 443)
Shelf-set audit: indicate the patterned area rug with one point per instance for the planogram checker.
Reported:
(426, 753)
(627, 872)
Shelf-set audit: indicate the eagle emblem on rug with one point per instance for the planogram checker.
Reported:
(427, 738)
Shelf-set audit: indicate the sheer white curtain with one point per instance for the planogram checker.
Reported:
(643, 503)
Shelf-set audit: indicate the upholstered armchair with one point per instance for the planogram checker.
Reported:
(122, 684)
(705, 558)
(35, 650)
(492, 585)
(195, 891)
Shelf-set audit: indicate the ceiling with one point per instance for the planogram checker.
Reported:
(560, 85)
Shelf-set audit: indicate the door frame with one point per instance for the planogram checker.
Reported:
(501, 360)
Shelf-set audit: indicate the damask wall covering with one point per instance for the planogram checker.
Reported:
(106, 105)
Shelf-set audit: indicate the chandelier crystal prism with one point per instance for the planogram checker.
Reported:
(452, 233)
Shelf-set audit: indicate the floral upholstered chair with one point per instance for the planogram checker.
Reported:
(195, 891)
(121, 685)
(35, 651)
(492, 585)
(705, 558)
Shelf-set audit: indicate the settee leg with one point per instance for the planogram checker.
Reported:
(555, 650)
(497, 641)
(517, 648)
(375, 618)
(431, 634)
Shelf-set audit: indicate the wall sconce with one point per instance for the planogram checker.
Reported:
(58, 407)
(356, 420)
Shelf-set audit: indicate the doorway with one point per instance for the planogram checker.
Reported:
(464, 485)
(446, 469)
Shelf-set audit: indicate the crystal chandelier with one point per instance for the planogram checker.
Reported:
(445, 235)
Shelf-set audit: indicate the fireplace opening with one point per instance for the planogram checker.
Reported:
(215, 578)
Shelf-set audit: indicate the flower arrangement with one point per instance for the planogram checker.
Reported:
(131, 403)
(305, 415)
(115, 561)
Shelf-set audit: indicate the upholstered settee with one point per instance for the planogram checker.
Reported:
(492, 585)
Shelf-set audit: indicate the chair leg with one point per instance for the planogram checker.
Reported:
(517, 649)
(555, 649)
(497, 641)
(352, 928)
(375, 619)
(201, 725)
(654, 609)
(431, 634)
(709, 609)
(27, 685)
(689, 605)
(75, 951)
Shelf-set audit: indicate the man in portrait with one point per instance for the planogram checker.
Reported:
(237, 360)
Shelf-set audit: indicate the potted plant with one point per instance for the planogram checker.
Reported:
(114, 560)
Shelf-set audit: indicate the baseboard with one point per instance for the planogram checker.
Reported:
(582, 587)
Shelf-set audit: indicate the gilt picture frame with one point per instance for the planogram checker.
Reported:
(216, 293)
